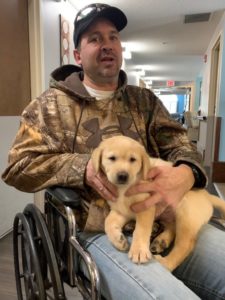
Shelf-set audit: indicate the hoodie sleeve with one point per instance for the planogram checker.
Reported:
(173, 144)
(41, 155)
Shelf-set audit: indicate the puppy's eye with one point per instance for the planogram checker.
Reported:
(112, 158)
(132, 159)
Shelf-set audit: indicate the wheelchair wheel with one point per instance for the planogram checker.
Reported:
(35, 236)
(29, 282)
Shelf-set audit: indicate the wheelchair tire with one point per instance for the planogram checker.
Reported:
(37, 265)
(46, 252)
(29, 281)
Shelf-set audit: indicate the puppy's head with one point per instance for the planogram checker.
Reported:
(122, 159)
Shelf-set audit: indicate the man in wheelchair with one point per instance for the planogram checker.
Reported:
(84, 105)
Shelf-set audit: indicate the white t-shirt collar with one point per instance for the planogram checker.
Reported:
(99, 95)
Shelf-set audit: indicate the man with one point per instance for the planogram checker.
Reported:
(86, 105)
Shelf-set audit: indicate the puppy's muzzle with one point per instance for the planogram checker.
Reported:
(122, 177)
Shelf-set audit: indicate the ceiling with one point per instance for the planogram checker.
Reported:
(159, 40)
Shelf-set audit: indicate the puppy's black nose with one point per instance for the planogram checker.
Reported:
(122, 177)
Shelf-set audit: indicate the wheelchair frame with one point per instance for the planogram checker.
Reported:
(47, 253)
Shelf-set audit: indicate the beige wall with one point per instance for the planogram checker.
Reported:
(11, 200)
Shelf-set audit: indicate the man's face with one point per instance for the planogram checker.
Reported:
(100, 52)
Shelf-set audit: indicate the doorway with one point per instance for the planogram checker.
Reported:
(212, 106)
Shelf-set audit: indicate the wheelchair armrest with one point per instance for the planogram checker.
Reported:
(218, 222)
(67, 196)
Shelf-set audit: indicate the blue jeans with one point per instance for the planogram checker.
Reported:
(200, 276)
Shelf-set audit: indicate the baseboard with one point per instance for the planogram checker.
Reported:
(6, 233)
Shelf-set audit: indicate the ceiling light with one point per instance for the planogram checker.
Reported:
(148, 82)
(126, 53)
(140, 72)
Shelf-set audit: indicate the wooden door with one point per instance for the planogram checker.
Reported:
(14, 57)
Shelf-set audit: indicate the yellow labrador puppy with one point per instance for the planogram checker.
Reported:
(124, 161)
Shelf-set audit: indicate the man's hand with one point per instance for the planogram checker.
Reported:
(100, 183)
(166, 186)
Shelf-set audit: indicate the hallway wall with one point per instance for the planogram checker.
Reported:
(51, 11)
(11, 200)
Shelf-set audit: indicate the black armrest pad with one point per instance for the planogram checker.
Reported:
(67, 196)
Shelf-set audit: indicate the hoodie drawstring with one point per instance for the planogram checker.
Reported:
(78, 124)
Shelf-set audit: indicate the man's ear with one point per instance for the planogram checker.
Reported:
(76, 54)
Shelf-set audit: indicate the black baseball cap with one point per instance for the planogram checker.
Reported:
(91, 12)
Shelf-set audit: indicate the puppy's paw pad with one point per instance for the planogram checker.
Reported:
(158, 246)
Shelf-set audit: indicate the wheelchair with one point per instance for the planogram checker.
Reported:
(47, 253)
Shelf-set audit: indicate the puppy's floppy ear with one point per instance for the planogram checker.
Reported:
(145, 164)
(96, 158)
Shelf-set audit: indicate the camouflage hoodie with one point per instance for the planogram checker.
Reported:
(60, 128)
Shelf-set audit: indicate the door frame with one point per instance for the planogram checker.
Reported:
(213, 102)
(36, 42)
(214, 78)
(36, 47)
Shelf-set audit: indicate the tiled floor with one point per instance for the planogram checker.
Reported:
(7, 280)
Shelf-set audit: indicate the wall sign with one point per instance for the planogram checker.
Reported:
(64, 41)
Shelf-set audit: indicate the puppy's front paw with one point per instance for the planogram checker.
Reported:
(139, 255)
